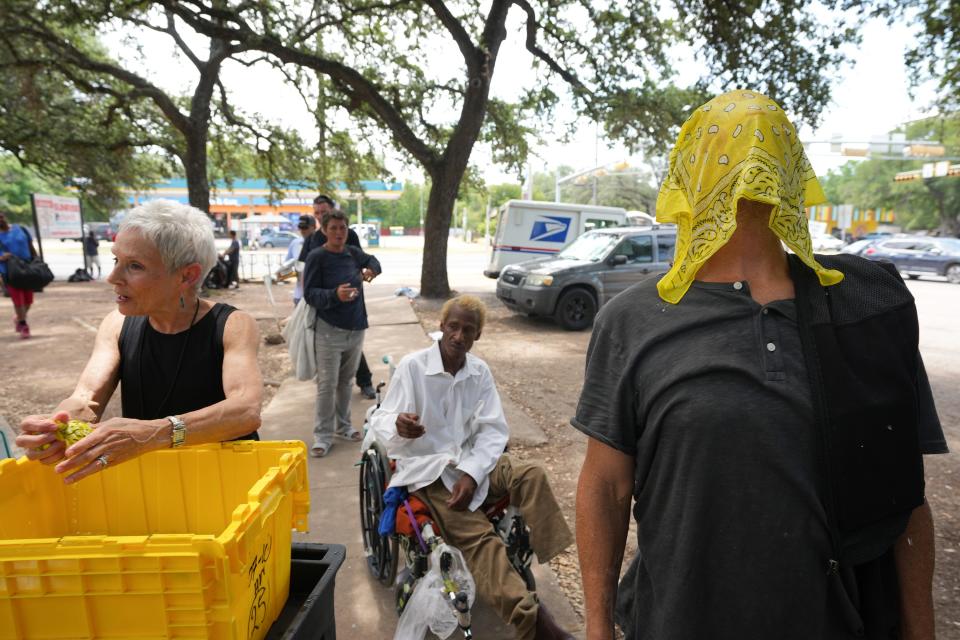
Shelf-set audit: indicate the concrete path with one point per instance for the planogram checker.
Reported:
(364, 608)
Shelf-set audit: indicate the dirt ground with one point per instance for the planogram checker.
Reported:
(536, 364)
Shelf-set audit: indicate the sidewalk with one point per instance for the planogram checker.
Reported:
(363, 607)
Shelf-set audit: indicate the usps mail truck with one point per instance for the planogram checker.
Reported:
(528, 229)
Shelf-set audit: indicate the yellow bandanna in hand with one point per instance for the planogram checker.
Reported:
(738, 145)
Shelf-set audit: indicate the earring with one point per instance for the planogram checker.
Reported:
(182, 305)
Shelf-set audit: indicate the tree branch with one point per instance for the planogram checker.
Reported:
(80, 59)
(360, 87)
(532, 47)
(172, 30)
(460, 35)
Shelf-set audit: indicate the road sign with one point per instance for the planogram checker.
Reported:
(58, 216)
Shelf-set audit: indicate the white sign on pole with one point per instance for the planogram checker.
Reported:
(817, 227)
(58, 216)
(845, 216)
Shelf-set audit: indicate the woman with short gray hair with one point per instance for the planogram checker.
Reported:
(188, 366)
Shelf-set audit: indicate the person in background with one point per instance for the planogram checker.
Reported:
(323, 204)
(232, 256)
(765, 413)
(333, 285)
(15, 240)
(187, 367)
(306, 227)
(443, 423)
(91, 253)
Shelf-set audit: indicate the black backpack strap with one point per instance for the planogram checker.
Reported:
(221, 312)
(131, 335)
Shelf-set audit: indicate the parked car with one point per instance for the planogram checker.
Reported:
(877, 235)
(277, 238)
(824, 242)
(857, 247)
(920, 255)
(572, 285)
(102, 230)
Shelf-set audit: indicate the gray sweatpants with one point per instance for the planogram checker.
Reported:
(338, 356)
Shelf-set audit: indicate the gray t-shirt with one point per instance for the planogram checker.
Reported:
(712, 398)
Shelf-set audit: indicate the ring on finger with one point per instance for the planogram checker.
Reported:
(102, 460)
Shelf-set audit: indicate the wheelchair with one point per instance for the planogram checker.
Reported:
(383, 553)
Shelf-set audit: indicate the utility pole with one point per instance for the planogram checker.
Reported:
(486, 222)
(596, 161)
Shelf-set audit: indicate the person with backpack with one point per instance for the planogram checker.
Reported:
(333, 285)
(16, 241)
(764, 413)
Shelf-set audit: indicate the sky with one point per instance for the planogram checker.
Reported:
(869, 99)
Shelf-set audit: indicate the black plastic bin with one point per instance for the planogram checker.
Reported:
(308, 612)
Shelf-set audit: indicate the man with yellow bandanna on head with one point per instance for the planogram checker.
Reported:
(765, 411)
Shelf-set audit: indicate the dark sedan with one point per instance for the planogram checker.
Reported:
(920, 256)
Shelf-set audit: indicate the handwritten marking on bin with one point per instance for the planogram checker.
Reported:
(256, 576)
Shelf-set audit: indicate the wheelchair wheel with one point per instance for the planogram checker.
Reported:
(381, 550)
(528, 579)
(519, 551)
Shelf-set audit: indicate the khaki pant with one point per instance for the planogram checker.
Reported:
(486, 555)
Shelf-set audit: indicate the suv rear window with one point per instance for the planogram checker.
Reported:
(638, 249)
(666, 246)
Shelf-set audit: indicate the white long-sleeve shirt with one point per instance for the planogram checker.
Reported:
(465, 429)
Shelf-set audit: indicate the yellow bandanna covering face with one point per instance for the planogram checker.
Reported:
(738, 145)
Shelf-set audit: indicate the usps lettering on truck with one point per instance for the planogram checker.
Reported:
(529, 229)
(550, 229)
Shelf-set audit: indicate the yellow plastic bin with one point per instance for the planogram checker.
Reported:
(185, 543)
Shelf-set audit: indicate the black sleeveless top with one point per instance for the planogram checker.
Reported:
(155, 383)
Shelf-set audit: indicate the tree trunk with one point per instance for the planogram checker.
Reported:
(195, 169)
(443, 195)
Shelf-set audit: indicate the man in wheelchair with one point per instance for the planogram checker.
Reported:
(442, 422)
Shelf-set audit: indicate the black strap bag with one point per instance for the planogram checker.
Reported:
(29, 275)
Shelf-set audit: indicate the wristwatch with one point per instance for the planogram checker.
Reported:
(179, 433)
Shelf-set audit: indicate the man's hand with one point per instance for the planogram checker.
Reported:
(462, 493)
(5, 256)
(368, 274)
(408, 425)
(346, 293)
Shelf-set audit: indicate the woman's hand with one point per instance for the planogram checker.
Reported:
(36, 431)
(114, 441)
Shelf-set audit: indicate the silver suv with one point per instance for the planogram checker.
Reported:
(598, 265)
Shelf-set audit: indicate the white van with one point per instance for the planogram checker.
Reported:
(528, 229)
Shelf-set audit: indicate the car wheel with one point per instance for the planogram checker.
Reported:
(576, 310)
(953, 273)
(912, 276)
(268, 245)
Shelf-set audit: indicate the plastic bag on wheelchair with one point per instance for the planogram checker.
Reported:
(431, 605)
